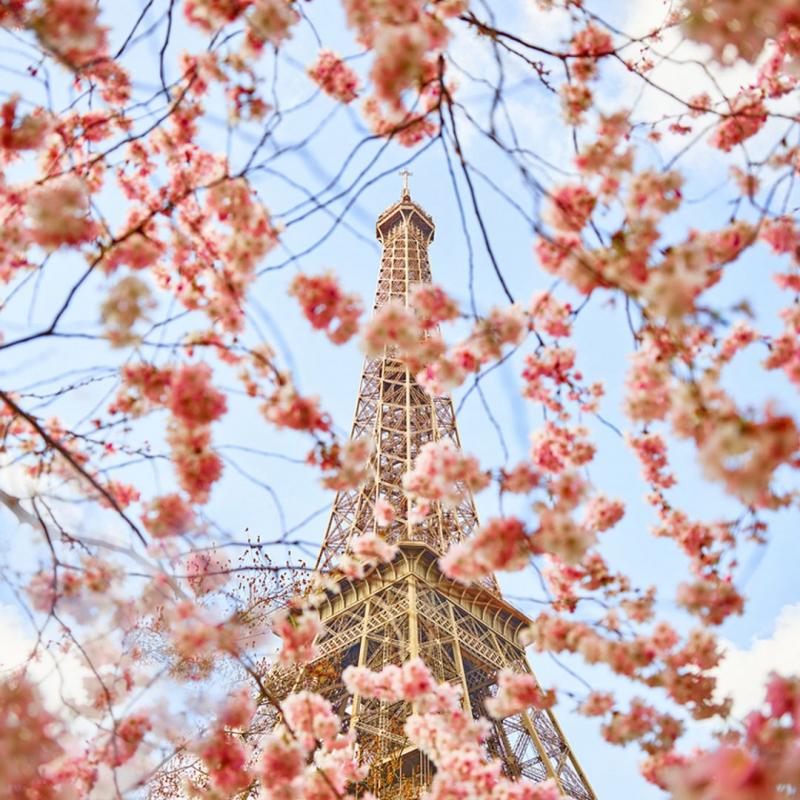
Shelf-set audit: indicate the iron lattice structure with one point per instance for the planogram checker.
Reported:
(409, 608)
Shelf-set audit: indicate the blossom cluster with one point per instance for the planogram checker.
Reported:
(324, 303)
(490, 334)
(298, 630)
(759, 762)
(347, 467)
(518, 691)
(406, 41)
(334, 77)
(305, 756)
(364, 552)
(587, 46)
(446, 732)
(442, 472)
(194, 403)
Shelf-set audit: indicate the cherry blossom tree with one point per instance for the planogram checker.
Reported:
(161, 199)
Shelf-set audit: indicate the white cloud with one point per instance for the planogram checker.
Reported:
(743, 672)
(683, 74)
(64, 679)
(17, 643)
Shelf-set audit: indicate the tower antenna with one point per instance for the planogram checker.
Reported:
(405, 174)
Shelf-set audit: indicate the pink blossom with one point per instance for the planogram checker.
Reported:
(373, 548)
(238, 709)
(298, 632)
(415, 680)
(287, 409)
(207, 571)
(564, 255)
(775, 78)
(310, 718)
(334, 77)
(412, 682)
(442, 729)
(711, 600)
(555, 448)
(79, 591)
(527, 790)
(70, 29)
(384, 513)
(384, 685)
(783, 697)
(442, 372)
(198, 467)
(212, 14)
(506, 325)
(640, 721)
(29, 734)
(744, 454)
(569, 208)
(269, 21)
(43, 591)
(730, 772)
(392, 325)
(782, 235)
(442, 472)
(418, 511)
(602, 513)
(326, 306)
(441, 377)
(499, 544)
(59, 213)
(785, 348)
(197, 636)
(746, 182)
(551, 315)
(350, 467)
(597, 704)
(144, 386)
(560, 535)
(648, 385)
(592, 41)
(738, 27)
(432, 305)
(126, 738)
(123, 494)
(225, 758)
(747, 116)
(520, 479)
(653, 194)
(518, 691)
(399, 55)
(282, 760)
(351, 567)
(651, 449)
(741, 335)
(168, 515)
(128, 301)
(25, 133)
(555, 364)
(576, 99)
(193, 400)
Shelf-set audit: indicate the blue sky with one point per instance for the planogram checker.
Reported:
(369, 183)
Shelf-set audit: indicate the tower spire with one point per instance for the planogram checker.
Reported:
(405, 174)
(408, 608)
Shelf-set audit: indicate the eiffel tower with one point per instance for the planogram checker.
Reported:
(408, 608)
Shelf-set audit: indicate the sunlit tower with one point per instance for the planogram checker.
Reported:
(408, 608)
